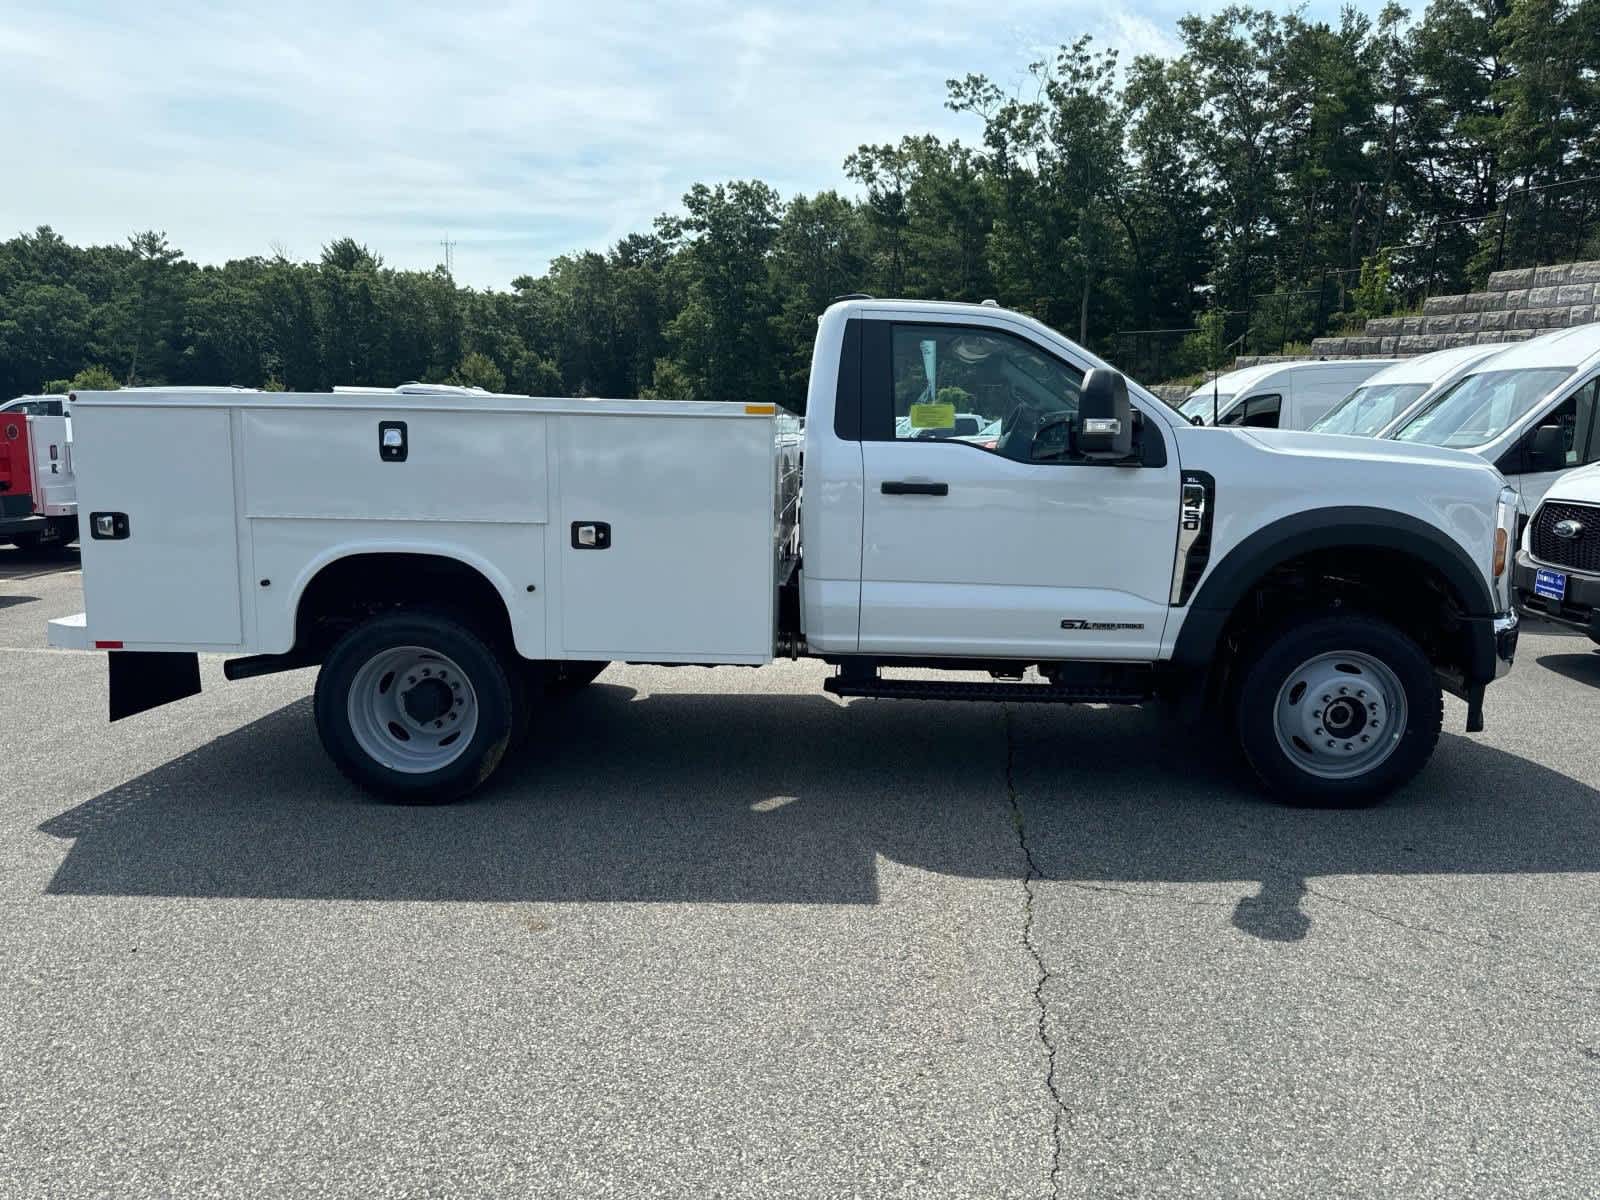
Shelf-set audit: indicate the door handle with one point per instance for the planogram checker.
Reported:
(907, 487)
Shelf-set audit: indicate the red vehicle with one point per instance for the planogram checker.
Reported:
(38, 493)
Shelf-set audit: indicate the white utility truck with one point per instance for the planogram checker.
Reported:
(450, 560)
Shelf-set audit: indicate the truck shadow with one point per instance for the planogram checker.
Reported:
(1584, 667)
(739, 798)
(32, 564)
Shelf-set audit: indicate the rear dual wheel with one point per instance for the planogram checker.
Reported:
(417, 707)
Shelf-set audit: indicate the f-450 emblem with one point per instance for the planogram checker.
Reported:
(1072, 623)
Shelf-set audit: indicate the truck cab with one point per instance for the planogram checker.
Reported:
(454, 562)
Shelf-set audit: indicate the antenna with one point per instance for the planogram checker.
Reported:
(449, 255)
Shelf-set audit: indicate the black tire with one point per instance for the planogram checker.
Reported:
(1273, 661)
(566, 677)
(485, 667)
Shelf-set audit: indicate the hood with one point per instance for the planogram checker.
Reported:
(1577, 487)
(1346, 446)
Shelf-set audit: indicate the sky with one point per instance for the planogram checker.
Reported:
(518, 130)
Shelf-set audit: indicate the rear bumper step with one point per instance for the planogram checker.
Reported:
(940, 689)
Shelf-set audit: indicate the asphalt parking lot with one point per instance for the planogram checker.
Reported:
(716, 934)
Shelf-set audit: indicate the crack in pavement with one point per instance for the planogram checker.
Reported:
(1033, 873)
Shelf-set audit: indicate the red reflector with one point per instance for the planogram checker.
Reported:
(108, 645)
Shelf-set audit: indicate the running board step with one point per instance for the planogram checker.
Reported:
(1021, 693)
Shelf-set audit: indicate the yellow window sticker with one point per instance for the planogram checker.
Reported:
(933, 416)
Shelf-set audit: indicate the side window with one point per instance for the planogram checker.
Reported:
(1578, 424)
(1259, 411)
(985, 388)
(1575, 417)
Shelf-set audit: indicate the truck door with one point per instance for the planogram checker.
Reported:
(1003, 541)
(16, 466)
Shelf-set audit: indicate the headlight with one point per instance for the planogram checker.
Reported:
(1505, 535)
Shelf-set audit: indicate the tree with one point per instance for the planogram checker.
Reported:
(93, 378)
(478, 370)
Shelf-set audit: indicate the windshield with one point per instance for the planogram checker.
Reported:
(1199, 405)
(1368, 409)
(1481, 407)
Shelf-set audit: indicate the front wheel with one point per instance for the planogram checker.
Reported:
(415, 707)
(1337, 709)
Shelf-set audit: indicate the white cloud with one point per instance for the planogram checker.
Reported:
(521, 130)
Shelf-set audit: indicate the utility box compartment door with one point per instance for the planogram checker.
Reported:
(174, 578)
(665, 543)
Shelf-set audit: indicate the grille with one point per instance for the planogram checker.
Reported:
(1581, 553)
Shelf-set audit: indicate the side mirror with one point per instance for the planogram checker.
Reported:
(1105, 418)
(1548, 449)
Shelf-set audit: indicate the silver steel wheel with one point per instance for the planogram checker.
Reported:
(412, 709)
(1340, 714)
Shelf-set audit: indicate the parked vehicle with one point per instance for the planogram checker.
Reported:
(38, 406)
(38, 496)
(1558, 563)
(1399, 389)
(1530, 410)
(449, 559)
(1289, 395)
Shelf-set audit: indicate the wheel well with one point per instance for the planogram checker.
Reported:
(1402, 588)
(350, 590)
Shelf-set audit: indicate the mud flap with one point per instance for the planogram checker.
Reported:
(142, 680)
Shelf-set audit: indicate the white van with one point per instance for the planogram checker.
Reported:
(1530, 410)
(1395, 391)
(1289, 395)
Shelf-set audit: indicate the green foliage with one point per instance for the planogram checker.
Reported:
(478, 370)
(1203, 349)
(94, 378)
(960, 397)
(1266, 160)
(1374, 295)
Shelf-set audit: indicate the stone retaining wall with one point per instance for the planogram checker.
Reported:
(1518, 305)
